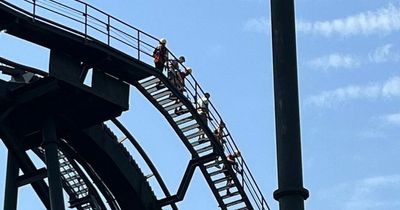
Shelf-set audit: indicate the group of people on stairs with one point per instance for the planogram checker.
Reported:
(177, 78)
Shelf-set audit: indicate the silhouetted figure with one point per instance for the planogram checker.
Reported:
(219, 134)
(203, 111)
(180, 85)
(160, 55)
(231, 158)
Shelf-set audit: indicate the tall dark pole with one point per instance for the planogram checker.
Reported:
(291, 193)
(11, 192)
(50, 144)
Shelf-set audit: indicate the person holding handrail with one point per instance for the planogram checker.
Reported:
(160, 55)
(202, 110)
(174, 70)
(231, 158)
(219, 134)
(181, 76)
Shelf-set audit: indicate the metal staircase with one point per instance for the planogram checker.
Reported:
(75, 184)
(200, 141)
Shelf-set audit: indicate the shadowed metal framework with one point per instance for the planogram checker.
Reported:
(62, 120)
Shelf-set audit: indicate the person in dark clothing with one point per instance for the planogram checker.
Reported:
(181, 79)
(180, 84)
(231, 158)
(203, 111)
(219, 134)
(174, 70)
(160, 55)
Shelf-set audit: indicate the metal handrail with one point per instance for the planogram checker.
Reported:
(192, 87)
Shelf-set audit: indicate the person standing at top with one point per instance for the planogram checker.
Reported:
(160, 55)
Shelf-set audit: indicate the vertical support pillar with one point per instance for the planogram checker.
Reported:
(291, 193)
(11, 192)
(50, 144)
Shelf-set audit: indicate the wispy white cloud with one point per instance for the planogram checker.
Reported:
(384, 54)
(328, 98)
(392, 119)
(335, 61)
(259, 25)
(381, 21)
(390, 88)
(379, 55)
(365, 194)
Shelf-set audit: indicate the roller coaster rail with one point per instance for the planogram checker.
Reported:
(98, 25)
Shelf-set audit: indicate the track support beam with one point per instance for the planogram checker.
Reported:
(50, 144)
(25, 179)
(187, 177)
(11, 192)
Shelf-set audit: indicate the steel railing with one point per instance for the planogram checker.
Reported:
(94, 24)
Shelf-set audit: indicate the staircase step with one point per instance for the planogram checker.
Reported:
(154, 89)
(190, 127)
(182, 112)
(71, 178)
(173, 106)
(232, 194)
(194, 135)
(165, 101)
(199, 142)
(244, 208)
(147, 79)
(234, 203)
(205, 149)
(214, 173)
(65, 163)
(226, 187)
(79, 184)
(161, 94)
(79, 202)
(214, 164)
(184, 120)
(149, 82)
(220, 180)
(68, 171)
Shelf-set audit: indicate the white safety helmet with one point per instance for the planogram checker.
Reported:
(163, 41)
(237, 153)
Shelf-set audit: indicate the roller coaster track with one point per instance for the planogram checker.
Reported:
(90, 31)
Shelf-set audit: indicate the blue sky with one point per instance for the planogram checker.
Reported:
(349, 93)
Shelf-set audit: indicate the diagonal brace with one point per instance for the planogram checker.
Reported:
(187, 177)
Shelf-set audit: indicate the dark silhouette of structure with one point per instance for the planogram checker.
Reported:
(291, 193)
(61, 119)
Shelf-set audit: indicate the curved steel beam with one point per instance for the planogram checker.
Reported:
(65, 147)
(145, 158)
